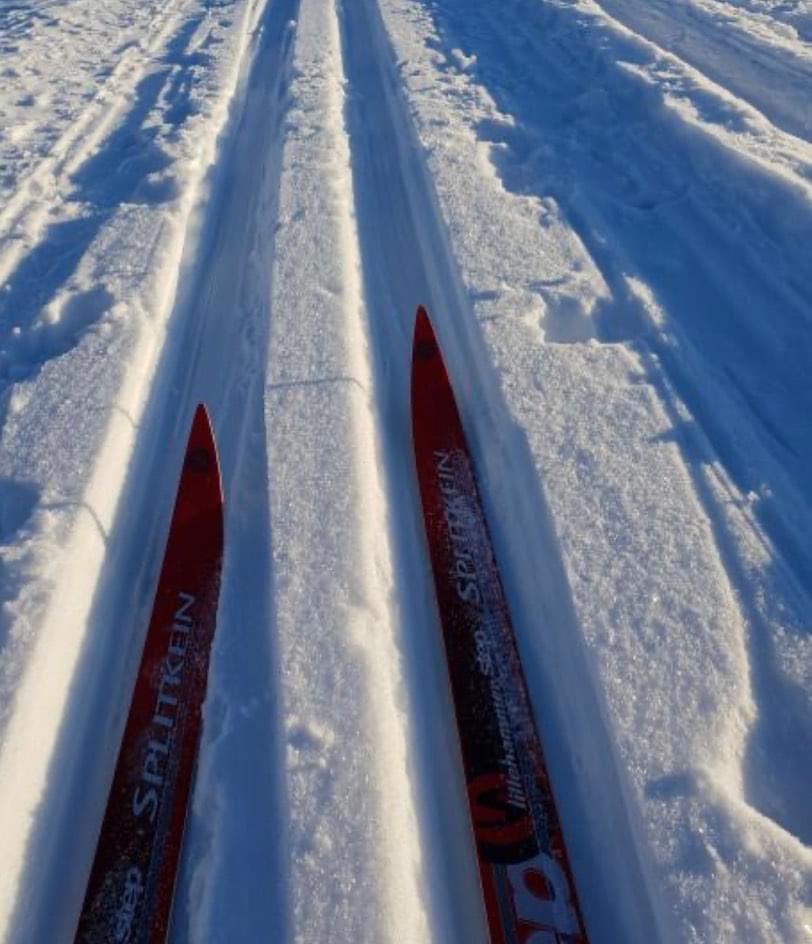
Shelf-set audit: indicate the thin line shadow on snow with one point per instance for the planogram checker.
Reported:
(129, 168)
(18, 503)
(318, 382)
(126, 415)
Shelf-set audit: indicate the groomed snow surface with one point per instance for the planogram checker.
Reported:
(607, 208)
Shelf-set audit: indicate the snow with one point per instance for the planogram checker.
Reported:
(607, 208)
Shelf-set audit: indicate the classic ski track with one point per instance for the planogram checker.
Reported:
(198, 341)
(764, 19)
(24, 211)
(776, 13)
(759, 70)
(556, 66)
(613, 44)
(407, 260)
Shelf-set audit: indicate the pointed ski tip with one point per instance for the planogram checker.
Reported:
(425, 347)
(201, 450)
(201, 417)
(202, 430)
(423, 332)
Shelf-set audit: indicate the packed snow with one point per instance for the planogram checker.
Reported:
(606, 205)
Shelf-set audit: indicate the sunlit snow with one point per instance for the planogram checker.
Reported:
(607, 207)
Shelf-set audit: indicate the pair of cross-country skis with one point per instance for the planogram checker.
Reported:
(528, 891)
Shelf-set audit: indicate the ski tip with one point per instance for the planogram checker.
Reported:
(422, 323)
(201, 453)
(425, 341)
(202, 420)
(201, 435)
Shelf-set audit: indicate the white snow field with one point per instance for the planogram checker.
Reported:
(606, 205)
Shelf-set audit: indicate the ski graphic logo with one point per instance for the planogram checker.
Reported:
(146, 796)
(500, 815)
(460, 524)
(540, 894)
(467, 547)
(124, 918)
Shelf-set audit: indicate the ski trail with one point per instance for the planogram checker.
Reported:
(771, 72)
(239, 801)
(406, 260)
(114, 578)
(395, 281)
(351, 833)
(566, 131)
(128, 92)
(65, 151)
(622, 295)
(75, 373)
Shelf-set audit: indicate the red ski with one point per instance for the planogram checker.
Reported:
(527, 882)
(129, 894)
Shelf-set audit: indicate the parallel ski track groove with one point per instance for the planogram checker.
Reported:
(407, 259)
(63, 158)
(761, 75)
(199, 339)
